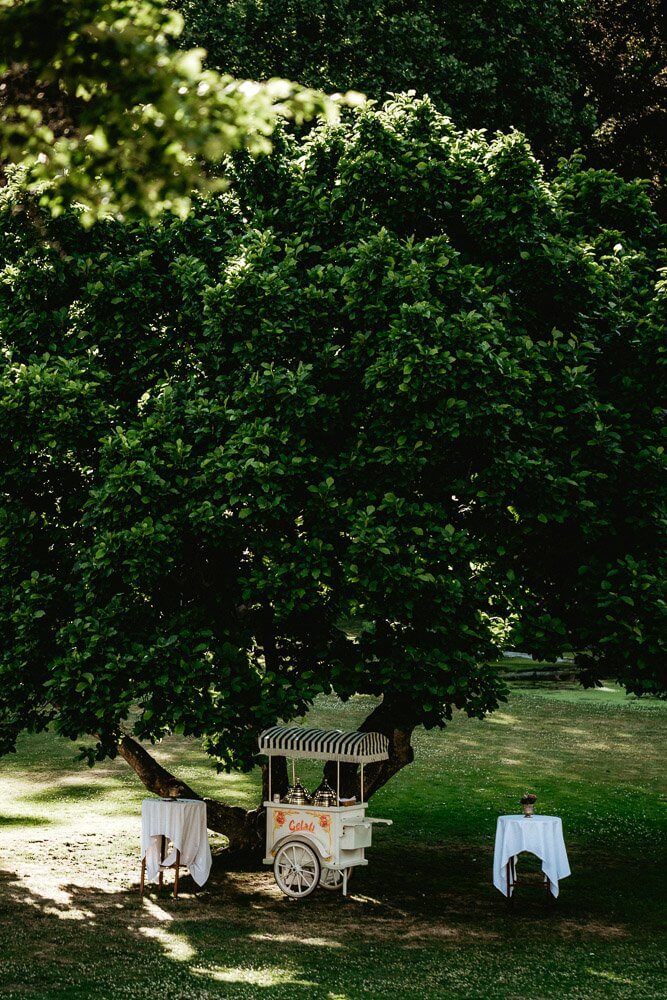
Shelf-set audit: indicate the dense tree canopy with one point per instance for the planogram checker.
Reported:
(622, 62)
(496, 64)
(333, 430)
(568, 73)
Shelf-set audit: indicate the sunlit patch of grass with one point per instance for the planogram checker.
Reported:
(175, 946)
(264, 977)
(611, 976)
(306, 942)
(608, 695)
(503, 719)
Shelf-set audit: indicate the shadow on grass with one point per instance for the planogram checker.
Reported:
(425, 923)
(71, 791)
(92, 943)
(24, 821)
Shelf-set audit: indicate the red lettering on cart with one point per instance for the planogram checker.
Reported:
(302, 824)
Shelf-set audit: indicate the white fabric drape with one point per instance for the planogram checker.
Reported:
(183, 822)
(539, 835)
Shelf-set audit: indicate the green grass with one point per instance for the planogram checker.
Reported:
(423, 920)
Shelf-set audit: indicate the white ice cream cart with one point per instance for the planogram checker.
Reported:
(309, 844)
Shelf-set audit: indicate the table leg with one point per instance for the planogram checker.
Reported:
(176, 873)
(163, 848)
(143, 876)
(511, 879)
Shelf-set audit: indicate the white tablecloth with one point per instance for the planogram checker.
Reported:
(539, 835)
(183, 822)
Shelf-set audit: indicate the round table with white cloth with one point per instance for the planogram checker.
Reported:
(183, 823)
(539, 835)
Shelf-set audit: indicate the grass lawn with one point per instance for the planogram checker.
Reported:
(423, 920)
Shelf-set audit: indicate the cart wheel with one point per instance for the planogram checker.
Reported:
(332, 878)
(297, 870)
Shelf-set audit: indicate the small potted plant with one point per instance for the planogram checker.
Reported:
(528, 803)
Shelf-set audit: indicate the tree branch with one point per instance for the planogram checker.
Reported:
(243, 828)
(397, 723)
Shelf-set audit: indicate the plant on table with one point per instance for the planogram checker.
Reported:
(528, 802)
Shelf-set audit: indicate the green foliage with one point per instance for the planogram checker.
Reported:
(325, 433)
(496, 64)
(621, 57)
(129, 121)
(567, 73)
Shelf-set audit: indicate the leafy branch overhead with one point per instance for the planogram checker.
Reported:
(100, 108)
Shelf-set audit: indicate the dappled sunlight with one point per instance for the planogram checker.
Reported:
(426, 896)
(308, 942)
(156, 911)
(24, 821)
(273, 976)
(503, 719)
(174, 946)
(611, 977)
(55, 901)
(71, 789)
(382, 903)
(467, 742)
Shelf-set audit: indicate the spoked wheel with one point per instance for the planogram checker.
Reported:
(332, 878)
(297, 870)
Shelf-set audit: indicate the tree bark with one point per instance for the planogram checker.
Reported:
(279, 778)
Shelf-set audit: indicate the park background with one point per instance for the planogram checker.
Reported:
(127, 271)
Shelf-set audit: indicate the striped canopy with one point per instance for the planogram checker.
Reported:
(324, 744)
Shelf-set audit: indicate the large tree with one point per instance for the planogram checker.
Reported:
(622, 62)
(331, 432)
(568, 73)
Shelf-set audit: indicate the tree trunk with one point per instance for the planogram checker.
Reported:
(397, 723)
(244, 828)
(279, 778)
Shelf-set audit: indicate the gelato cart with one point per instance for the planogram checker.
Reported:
(319, 839)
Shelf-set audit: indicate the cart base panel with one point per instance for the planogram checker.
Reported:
(339, 867)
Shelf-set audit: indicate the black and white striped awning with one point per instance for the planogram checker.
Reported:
(324, 744)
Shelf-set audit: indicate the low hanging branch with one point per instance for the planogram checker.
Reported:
(244, 828)
(396, 723)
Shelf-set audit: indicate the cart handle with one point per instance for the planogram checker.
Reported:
(372, 819)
